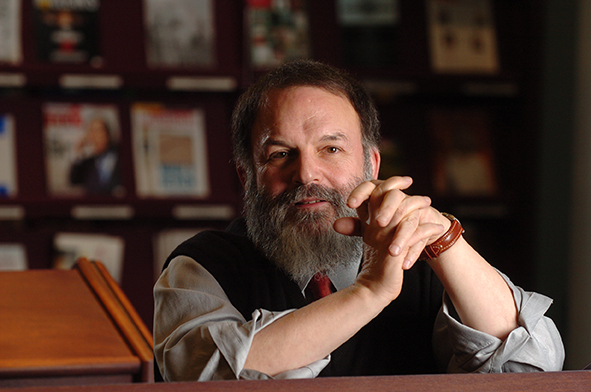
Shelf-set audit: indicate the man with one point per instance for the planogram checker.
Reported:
(97, 167)
(235, 304)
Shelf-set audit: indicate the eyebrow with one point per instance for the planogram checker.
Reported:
(335, 136)
(330, 137)
(273, 142)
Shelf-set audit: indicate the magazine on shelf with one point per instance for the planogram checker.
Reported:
(165, 241)
(464, 163)
(180, 33)
(8, 170)
(278, 30)
(10, 32)
(462, 36)
(67, 31)
(13, 257)
(108, 249)
(370, 32)
(82, 149)
(170, 152)
(368, 12)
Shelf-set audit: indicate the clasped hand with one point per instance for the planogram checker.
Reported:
(395, 226)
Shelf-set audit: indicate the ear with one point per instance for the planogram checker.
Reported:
(375, 159)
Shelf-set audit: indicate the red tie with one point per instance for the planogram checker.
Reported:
(319, 286)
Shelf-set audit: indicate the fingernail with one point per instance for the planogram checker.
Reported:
(395, 250)
(406, 265)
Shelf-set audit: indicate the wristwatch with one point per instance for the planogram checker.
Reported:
(444, 242)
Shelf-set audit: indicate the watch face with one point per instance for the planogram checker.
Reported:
(449, 216)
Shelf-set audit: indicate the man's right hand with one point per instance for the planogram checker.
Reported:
(395, 227)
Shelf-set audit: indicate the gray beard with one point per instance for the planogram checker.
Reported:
(301, 242)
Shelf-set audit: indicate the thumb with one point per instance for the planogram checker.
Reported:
(348, 226)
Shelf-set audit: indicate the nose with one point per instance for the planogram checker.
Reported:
(307, 169)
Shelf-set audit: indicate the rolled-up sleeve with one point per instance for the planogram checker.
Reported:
(535, 345)
(199, 335)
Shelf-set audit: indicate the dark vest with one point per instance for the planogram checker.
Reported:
(398, 341)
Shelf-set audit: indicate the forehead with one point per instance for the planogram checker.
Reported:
(304, 109)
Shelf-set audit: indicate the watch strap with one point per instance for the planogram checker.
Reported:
(446, 241)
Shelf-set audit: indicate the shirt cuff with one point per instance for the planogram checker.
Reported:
(234, 341)
(535, 345)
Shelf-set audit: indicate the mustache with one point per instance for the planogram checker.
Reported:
(312, 191)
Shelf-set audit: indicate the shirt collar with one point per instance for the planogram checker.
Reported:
(341, 276)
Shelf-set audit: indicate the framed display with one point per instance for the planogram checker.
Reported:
(13, 257)
(464, 162)
(82, 149)
(68, 31)
(8, 169)
(277, 31)
(462, 36)
(68, 247)
(179, 33)
(169, 150)
(10, 32)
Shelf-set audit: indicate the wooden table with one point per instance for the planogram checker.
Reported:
(535, 382)
(70, 327)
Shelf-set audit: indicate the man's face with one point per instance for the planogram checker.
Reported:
(98, 136)
(305, 136)
(308, 157)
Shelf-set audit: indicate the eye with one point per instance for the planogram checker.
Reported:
(278, 155)
(332, 150)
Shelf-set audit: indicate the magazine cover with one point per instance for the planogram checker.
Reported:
(370, 31)
(170, 152)
(462, 36)
(67, 31)
(165, 242)
(13, 257)
(10, 32)
(82, 149)
(278, 31)
(108, 249)
(8, 171)
(464, 162)
(368, 12)
(179, 33)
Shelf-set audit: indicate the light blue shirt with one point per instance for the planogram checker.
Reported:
(200, 335)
